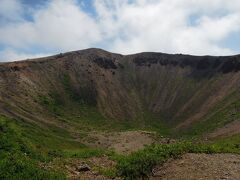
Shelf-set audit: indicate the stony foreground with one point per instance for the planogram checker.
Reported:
(200, 166)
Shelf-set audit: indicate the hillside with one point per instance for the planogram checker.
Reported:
(88, 103)
(180, 92)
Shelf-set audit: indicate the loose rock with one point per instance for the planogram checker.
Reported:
(83, 167)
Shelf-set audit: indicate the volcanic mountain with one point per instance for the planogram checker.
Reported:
(169, 93)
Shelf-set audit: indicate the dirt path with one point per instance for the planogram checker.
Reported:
(200, 166)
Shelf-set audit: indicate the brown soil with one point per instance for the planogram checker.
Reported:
(124, 142)
(200, 166)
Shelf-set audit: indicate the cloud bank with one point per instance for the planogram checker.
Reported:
(122, 26)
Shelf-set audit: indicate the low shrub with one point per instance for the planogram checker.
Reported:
(20, 166)
(141, 163)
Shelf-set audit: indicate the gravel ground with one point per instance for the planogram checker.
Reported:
(200, 166)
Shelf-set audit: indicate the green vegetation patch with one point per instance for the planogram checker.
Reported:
(108, 172)
(53, 102)
(84, 153)
(18, 160)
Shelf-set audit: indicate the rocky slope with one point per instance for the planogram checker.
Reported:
(184, 93)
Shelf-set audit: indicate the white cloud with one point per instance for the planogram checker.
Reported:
(61, 25)
(164, 25)
(65, 26)
(124, 26)
(10, 10)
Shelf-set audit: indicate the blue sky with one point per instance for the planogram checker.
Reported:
(30, 29)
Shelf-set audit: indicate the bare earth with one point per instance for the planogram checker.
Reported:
(123, 142)
(200, 166)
